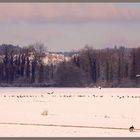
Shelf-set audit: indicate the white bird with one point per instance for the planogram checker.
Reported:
(137, 75)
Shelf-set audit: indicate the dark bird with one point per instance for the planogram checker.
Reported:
(131, 128)
(50, 92)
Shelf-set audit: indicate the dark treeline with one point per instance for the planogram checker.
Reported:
(110, 67)
(21, 66)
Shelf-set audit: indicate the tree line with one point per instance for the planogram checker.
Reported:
(21, 66)
(110, 67)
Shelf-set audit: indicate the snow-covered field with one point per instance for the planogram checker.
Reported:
(72, 112)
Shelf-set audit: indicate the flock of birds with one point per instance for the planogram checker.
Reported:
(68, 96)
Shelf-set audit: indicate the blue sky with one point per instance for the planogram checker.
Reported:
(66, 27)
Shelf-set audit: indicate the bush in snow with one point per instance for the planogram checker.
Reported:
(45, 112)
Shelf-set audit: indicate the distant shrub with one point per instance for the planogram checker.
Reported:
(45, 112)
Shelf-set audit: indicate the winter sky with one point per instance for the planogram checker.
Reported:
(70, 26)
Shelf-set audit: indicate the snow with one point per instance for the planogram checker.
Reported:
(71, 112)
